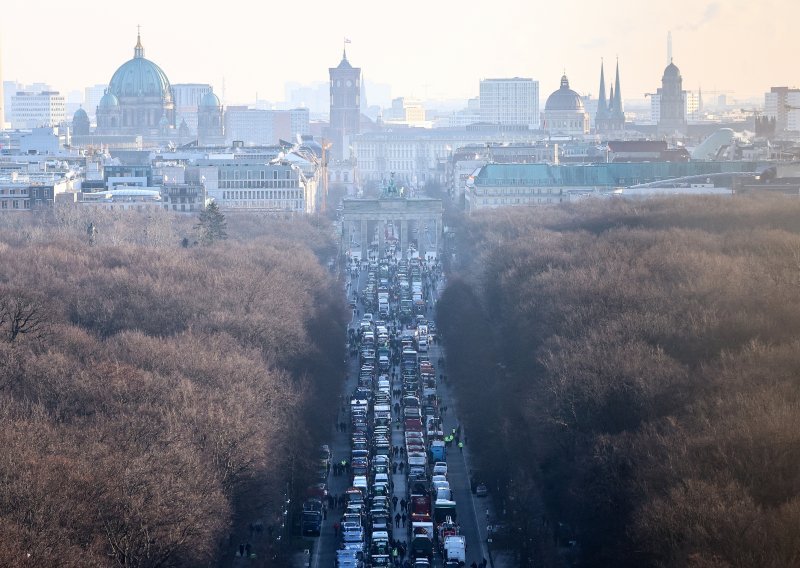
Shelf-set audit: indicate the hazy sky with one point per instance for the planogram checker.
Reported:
(439, 48)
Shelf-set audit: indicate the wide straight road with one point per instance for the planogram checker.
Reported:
(471, 511)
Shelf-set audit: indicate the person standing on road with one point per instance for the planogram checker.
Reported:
(403, 518)
(397, 521)
(394, 503)
(402, 504)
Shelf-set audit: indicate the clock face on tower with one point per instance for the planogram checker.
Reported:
(349, 83)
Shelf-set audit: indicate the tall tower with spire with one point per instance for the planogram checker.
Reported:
(345, 113)
(602, 105)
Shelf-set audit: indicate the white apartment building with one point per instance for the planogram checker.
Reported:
(783, 104)
(35, 109)
(255, 185)
(691, 105)
(510, 101)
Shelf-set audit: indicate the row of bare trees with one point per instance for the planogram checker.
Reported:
(636, 364)
(155, 398)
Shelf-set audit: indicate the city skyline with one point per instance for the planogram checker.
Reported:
(717, 46)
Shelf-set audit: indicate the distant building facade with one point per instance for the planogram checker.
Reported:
(510, 101)
(419, 155)
(187, 100)
(264, 127)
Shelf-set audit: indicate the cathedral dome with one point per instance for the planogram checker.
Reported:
(140, 77)
(210, 100)
(564, 98)
(80, 123)
(108, 101)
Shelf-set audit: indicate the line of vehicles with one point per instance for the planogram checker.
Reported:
(396, 392)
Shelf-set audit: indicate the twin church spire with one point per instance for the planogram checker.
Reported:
(610, 115)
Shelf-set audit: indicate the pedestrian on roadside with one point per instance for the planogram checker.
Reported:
(336, 528)
(394, 467)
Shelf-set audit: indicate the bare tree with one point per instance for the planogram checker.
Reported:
(22, 314)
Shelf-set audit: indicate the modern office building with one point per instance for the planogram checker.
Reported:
(510, 101)
(34, 109)
(783, 105)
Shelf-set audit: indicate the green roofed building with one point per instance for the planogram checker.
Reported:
(503, 185)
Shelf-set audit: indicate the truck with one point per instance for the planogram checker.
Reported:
(438, 450)
(422, 540)
(455, 548)
(443, 511)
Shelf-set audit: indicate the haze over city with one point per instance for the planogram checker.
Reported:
(428, 50)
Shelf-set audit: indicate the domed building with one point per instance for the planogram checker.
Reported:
(80, 123)
(139, 99)
(210, 124)
(672, 115)
(564, 112)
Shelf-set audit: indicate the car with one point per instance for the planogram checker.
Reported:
(481, 490)
(440, 468)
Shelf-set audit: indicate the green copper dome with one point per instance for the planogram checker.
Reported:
(140, 77)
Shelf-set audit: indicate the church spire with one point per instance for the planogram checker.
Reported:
(138, 51)
(617, 102)
(602, 105)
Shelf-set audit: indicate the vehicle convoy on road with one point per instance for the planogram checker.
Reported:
(398, 508)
